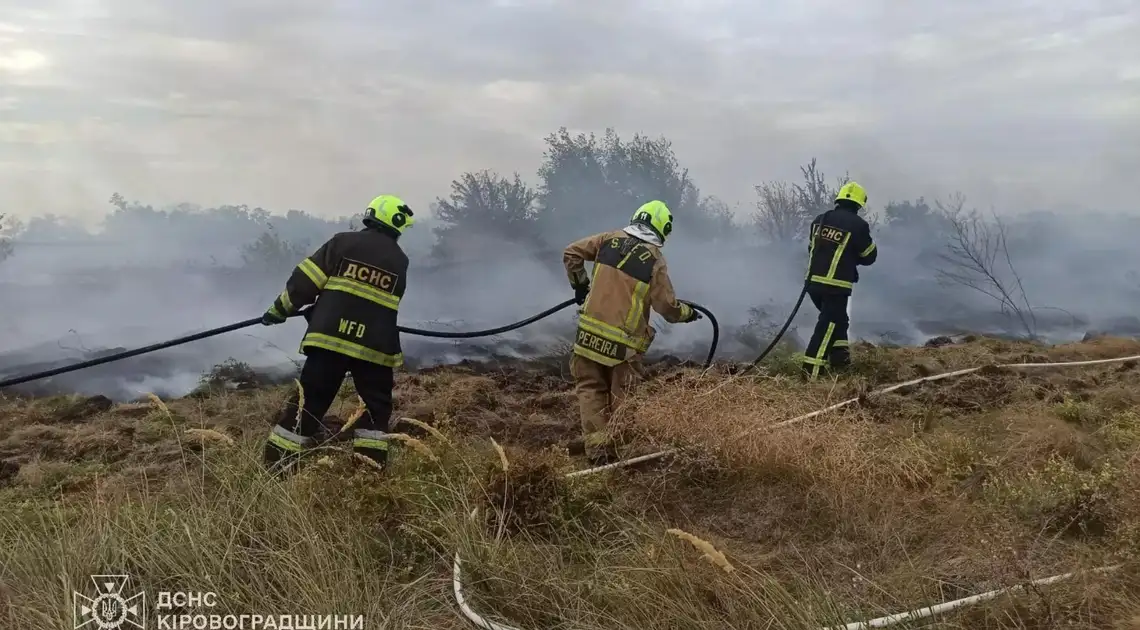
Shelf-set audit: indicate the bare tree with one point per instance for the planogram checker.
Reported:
(872, 218)
(784, 211)
(814, 195)
(779, 215)
(975, 255)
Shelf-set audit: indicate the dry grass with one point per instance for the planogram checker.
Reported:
(903, 500)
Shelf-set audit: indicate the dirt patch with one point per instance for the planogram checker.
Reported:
(527, 403)
(971, 393)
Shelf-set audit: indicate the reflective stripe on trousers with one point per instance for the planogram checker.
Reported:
(351, 349)
(369, 438)
(288, 440)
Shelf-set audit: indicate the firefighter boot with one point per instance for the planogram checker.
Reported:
(600, 448)
(576, 447)
(283, 450)
(602, 455)
(840, 358)
(371, 444)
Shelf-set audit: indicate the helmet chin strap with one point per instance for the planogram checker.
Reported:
(370, 222)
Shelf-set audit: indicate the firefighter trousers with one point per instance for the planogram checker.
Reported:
(601, 390)
(828, 347)
(320, 379)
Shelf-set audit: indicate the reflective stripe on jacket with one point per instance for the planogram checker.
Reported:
(839, 241)
(630, 277)
(359, 278)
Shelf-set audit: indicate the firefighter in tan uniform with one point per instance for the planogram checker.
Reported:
(629, 278)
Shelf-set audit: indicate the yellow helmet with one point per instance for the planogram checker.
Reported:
(390, 211)
(852, 191)
(656, 216)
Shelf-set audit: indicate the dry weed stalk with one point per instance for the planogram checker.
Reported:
(710, 553)
(502, 455)
(435, 433)
(158, 403)
(418, 446)
(211, 435)
(367, 460)
(300, 403)
(360, 409)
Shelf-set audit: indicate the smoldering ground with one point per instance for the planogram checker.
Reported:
(148, 276)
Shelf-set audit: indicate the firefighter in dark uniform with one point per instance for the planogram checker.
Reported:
(359, 278)
(840, 241)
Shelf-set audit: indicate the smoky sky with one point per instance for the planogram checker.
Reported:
(318, 105)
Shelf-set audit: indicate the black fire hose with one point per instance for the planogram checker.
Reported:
(19, 380)
(439, 334)
(547, 313)
(776, 339)
(716, 330)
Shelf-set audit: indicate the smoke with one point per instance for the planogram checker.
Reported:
(150, 275)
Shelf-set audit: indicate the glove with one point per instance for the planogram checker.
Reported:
(272, 317)
(580, 293)
(694, 315)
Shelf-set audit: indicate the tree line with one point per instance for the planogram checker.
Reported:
(586, 183)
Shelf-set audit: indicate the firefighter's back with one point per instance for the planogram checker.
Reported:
(356, 314)
(836, 236)
(618, 302)
(623, 272)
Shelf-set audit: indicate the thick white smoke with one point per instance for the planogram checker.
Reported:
(148, 277)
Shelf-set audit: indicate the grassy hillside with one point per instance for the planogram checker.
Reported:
(906, 499)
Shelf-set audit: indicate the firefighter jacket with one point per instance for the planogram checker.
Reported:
(359, 278)
(840, 241)
(629, 275)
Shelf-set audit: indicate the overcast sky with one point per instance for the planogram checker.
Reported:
(322, 104)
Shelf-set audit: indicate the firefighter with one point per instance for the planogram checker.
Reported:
(840, 241)
(613, 326)
(356, 280)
